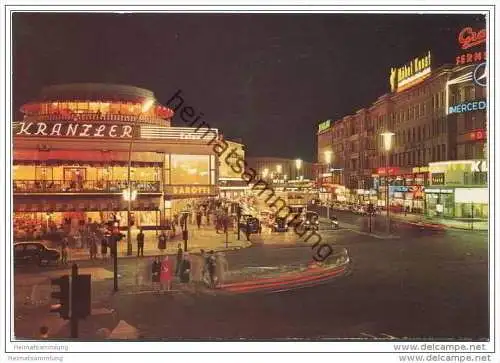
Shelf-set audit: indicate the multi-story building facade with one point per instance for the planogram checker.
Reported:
(435, 116)
(78, 146)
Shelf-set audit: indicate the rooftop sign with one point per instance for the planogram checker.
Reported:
(413, 72)
(324, 125)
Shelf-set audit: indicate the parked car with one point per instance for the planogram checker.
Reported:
(250, 224)
(280, 225)
(34, 253)
(311, 221)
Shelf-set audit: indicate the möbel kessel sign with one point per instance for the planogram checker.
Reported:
(72, 130)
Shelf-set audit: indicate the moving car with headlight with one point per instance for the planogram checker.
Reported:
(280, 225)
(311, 221)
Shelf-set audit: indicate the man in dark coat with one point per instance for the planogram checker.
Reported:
(178, 260)
(140, 243)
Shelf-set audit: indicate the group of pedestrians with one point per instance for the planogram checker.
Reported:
(208, 268)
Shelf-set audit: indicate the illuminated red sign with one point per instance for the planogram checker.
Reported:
(390, 170)
(468, 38)
(470, 58)
(477, 135)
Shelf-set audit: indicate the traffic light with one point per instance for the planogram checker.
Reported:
(63, 296)
(81, 297)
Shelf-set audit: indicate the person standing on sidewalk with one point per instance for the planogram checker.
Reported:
(185, 269)
(166, 274)
(64, 251)
(155, 273)
(93, 247)
(162, 242)
(211, 264)
(198, 219)
(104, 247)
(178, 261)
(140, 243)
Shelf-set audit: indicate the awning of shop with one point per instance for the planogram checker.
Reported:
(70, 156)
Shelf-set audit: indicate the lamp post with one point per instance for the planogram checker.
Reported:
(130, 193)
(328, 161)
(279, 169)
(265, 173)
(387, 136)
(298, 166)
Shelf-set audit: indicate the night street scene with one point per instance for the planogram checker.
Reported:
(250, 177)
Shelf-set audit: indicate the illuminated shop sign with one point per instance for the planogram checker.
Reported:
(437, 178)
(459, 165)
(469, 38)
(390, 170)
(467, 107)
(477, 135)
(324, 125)
(72, 129)
(411, 73)
(439, 191)
(178, 133)
(421, 169)
(399, 189)
(190, 190)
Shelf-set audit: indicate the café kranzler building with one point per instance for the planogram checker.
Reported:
(73, 147)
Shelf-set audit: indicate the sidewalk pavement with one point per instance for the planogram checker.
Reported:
(466, 223)
(204, 238)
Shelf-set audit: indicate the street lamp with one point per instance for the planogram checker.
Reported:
(129, 195)
(265, 172)
(328, 160)
(387, 136)
(298, 165)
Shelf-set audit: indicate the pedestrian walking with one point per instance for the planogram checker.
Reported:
(204, 266)
(104, 247)
(166, 274)
(185, 268)
(211, 264)
(178, 261)
(198, 219)
(225, 222)
(155, 273)
(140, 243)
(64, 251)
(93, 247)
(221, 268)
(162, 242)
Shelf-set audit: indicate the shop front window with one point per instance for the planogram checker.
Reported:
(190, 169)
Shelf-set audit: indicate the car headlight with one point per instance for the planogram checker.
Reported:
(317, 222)
(307, 222)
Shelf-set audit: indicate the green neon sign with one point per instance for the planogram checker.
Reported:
(324, 125)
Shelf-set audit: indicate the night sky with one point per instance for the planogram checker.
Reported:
(265, 78)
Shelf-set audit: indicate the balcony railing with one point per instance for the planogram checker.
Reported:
(85, 186)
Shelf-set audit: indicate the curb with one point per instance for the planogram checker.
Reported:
(304, 279)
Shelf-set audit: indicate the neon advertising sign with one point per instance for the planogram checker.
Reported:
(411, 73)
(467, 107)
(467, 39)
(324, 125)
